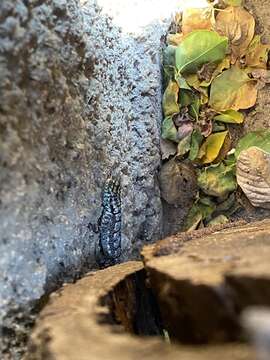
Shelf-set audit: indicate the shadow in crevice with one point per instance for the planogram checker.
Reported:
(133, 307)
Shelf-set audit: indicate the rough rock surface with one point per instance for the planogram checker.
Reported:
(79, 100)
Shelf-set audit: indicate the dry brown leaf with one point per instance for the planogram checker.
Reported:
(257, 54)
(197, 19)
(178, 183)
(238, 25)
(193, 80)
(174, 39)
(224, 64)
(168, 148)
(246, 96)
(206, 72)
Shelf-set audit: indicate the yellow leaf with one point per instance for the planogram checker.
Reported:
(174, 39)
(238, 25)
(230, 116)
(170, 99)
(210, 149)
(257, 54)
(197, 19)
(233, 89)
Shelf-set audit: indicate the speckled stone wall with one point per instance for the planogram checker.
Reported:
(79, 100)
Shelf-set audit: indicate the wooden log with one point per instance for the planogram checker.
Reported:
(206, 283)
(77, 323)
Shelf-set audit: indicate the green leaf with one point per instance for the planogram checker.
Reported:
(194, 108)
(168, 130)
(217, 127)
(193, 81)
(170, 99)
(181, 81)
(169, 63)
(210, 149)
(169, 56)
(217, 180)
(168, 75)
(230, 159)
(200, 47)
(232, 89)
(201, 209)
(196, 140)
(260, 139)
(230, 116)
(183, 146)
(193, 219)
(186, 98)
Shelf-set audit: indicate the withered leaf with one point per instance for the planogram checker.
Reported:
(197, 19)
(233, 89)
(193, 81)
(184, 145)
(238, 25)
(178, 183)
(168, 148)
(206, 72)
(202, 208)
(210, 149)
(168, 130)
(217, 180)
(196, 140)
(185, 129)
(257, 54)
(230, 116)
(224, 64)
(170, 99)
(174, 39)
(182, 117)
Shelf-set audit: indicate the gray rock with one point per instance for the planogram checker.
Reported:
(79, 101)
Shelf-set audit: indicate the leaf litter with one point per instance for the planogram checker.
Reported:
(213, 70)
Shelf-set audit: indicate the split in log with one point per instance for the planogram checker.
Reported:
(206, 283)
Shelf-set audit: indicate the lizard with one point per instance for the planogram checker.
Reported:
(108, 249)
